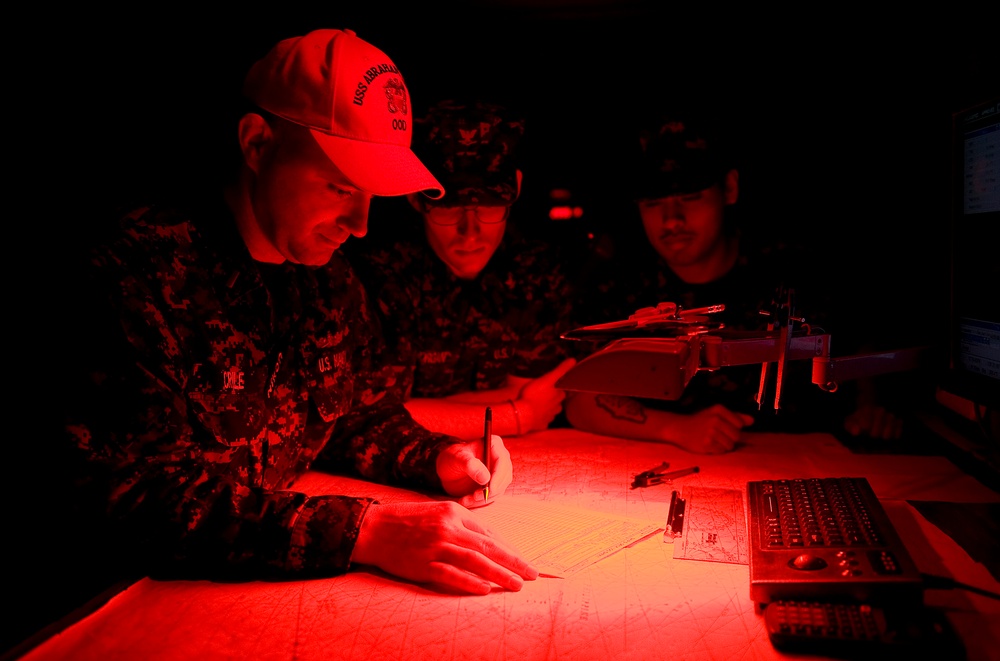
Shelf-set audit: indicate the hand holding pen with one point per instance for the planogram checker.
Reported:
(477, 471)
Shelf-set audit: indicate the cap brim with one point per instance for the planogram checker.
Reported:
(378, 168)
(655, 185)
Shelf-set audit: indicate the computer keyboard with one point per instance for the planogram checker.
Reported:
(860, 631)
(825, 539)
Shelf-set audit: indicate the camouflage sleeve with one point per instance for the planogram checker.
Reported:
(548, 313)
(387, 446)
(378, 436)
(179, 499)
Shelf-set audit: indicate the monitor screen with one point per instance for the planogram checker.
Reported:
(973, 371)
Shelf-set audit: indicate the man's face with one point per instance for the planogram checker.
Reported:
(465, 238)
(685, 229)
(304, 205)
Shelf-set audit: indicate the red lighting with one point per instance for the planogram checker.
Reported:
(565, 213)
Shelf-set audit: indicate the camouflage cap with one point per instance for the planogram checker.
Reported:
(471, 148)
(677, 156)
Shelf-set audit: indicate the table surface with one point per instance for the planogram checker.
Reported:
(639, 603)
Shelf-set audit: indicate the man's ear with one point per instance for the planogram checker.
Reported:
(731, 187)
(520, 175)
(254, 134)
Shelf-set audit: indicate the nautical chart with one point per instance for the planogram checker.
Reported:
(715, 527)
(637, 602)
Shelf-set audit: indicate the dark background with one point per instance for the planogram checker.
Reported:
(844, 117)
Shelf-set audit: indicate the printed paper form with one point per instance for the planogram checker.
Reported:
(560, 540)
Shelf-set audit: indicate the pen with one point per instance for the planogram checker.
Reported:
(678, 473)
(487, 436)
(654, 476)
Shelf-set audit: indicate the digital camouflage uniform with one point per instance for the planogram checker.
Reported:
(232, 378)
(447, 335)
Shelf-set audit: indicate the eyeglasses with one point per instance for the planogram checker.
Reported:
(447, 216)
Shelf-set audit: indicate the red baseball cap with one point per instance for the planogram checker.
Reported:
(353, 100)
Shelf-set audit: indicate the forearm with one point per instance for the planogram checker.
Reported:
(180, 513)
(491, 396)
(384, 444)
(465, 419)
(622, 417)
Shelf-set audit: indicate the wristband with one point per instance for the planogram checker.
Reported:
(517, 415)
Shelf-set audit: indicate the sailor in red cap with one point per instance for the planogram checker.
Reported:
(238, 351)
